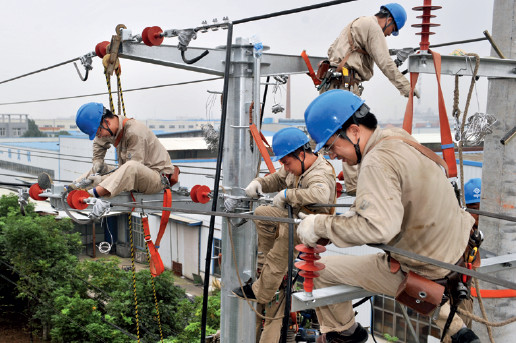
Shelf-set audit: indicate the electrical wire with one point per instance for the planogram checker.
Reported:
(40, 70)
(104, 93)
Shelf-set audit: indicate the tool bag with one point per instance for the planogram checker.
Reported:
(419, 293)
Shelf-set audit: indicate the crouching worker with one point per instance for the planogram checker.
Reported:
(143, 162)
(304, 179)
(403, 199)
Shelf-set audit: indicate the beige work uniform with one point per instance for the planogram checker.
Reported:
(368, 36)
(315, 185)
(141, 159)
(404, 200)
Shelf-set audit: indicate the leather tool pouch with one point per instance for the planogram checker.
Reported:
(420, 294)
(322, 68)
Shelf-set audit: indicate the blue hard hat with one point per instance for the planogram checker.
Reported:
(472, 190)
(287, 140)
(398, 14)
(89, 117)
(328, 112)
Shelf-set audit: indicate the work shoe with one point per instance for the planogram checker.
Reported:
(359, 336)
(465, 335)
(248, 290)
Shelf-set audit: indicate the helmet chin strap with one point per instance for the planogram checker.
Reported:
(302, 162)
(357, 148)
(387, 25)
(107, 128)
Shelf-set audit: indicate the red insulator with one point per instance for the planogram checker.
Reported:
(309, 268)
(338, 185)
(151, 36)
(34, 192)
(101, 49)
(193, 193)
(203, 194)
(426, 24)
(78, 198)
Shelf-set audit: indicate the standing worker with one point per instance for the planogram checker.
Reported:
(352, 56)
(403, 199)
(304, 179)
(144, 163)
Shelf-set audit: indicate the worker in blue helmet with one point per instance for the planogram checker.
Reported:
(352, 56)
(143, 162)
(359, 46)
(303, 179)
(403, 199)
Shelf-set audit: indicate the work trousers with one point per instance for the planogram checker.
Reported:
(130, 176)
(272, 252)
(371, 272)
(271, 328)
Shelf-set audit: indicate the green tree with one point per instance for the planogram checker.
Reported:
(33, 130)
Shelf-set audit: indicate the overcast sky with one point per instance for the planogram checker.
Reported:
(37, 34)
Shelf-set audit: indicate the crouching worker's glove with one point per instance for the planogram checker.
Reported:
(95, 180)
(100, 167)
(254, 189)
(100, 208)
(280, 199)
(305, 230)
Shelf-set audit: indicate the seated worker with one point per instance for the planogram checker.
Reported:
(305, 178)
(403, 199)
(142, 159)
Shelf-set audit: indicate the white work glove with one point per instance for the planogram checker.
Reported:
(280, 199)
(254, 189)
(95, 180)
(416, 94)
(402, 55)
(306, 230)
(100, 167)
(100, 208)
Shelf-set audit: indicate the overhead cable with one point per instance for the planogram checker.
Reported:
(40, 70)
(104, 93)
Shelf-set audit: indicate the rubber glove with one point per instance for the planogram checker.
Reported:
(100, 208)
(100, 167)
(95, 180)
(305, 230)
(254, 189)
(280, 199)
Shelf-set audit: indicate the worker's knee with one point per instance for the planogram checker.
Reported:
(261, 210)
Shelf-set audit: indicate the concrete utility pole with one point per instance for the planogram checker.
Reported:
(499, 172)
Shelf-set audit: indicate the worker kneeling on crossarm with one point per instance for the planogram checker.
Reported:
(403, 199)
(304, 179)
(143, 162)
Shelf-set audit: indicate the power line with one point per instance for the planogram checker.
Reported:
(40, 70)
(104, 93)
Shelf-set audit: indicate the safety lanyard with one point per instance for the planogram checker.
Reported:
(447, 145)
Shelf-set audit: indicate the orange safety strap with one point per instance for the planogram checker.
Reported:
(311, 72)
(119, 138)
(156, 264)
(494, 293)
(259, 139)
(447, 145)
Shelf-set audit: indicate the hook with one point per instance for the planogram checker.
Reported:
(195, 59)
(79, 72)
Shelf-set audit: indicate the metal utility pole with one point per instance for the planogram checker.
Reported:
(499, 172)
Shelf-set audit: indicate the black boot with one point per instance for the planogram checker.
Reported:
(360, 335)
(465, 335)
(248, 290)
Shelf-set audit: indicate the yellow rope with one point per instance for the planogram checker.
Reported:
(155, 297)
(133, 268)
(108, 82)
(120, 94)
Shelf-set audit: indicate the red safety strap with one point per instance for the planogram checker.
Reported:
(167, 202)
(494, 293)
(311, 72)
(259, 139)
(447, 145)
